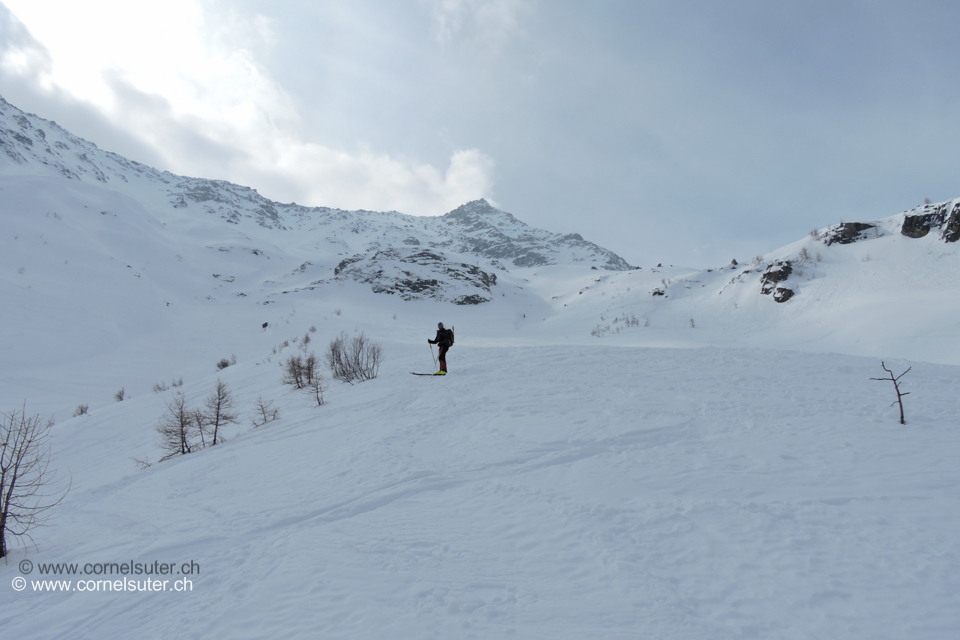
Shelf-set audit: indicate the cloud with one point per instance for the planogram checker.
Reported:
(491, 22)
(184, 78)
(20, 53)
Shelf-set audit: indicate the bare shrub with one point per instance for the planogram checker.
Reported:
(177, 428)
(300, 371)
(317, 388)
(27, 485)
(223, 364)
(120, 395)
(803, 255)
(160, 387)
(81, 410)
(354, 359)
(263, 412)
(177, 383)
(200, 426)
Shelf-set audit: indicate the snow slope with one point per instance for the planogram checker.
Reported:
(561, 492)
(578, 474)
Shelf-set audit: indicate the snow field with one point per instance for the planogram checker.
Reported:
(548, 491)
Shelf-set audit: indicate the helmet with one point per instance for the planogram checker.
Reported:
(440, 324)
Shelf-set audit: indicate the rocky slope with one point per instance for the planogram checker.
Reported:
(450, 257)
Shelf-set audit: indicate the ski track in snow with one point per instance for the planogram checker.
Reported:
(600, 463)
(708, 493)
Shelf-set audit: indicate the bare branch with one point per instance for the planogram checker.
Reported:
(27, 484)
(896, 387)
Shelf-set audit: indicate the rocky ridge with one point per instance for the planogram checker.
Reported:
(451, 257)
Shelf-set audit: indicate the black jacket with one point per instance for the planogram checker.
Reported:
(442, 339)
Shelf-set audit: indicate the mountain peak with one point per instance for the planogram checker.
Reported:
(479, 207)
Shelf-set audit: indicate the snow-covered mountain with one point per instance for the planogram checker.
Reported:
(416, 257)
(576, 475)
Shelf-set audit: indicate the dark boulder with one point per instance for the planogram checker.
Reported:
(951, 232)
(919, 226)
(782, 294)
(846, 233)
(777, 271)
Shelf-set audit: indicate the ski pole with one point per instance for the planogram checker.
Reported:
(434, 359)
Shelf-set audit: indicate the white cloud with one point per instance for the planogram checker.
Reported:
(184, 78)
(492, 22)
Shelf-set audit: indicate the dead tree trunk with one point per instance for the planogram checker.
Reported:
(896, 387)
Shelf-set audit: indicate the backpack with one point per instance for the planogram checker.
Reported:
(447, 337)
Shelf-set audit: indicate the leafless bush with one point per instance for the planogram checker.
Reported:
(264, 412)
(177, 383)
(803, 255)
(300, 371)
(160, 387)
(82, 409)
(223, 364)
(200, 426)
(317, 388)
(28, 488)
(354, 359)
(119, 395)
(178, 428)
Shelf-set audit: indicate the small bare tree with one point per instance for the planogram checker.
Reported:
(300, 371)
(896, 387)
(219, 411)
(317, 388)
(200, 426)
(177, 428)
(354, 359)
(27, 485)
(264, 412)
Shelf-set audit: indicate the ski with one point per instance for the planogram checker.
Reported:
(422, 374)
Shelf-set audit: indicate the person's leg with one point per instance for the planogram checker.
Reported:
(443, 359)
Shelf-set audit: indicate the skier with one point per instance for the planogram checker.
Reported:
(444, 339)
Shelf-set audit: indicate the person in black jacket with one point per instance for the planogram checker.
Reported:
(443, 341)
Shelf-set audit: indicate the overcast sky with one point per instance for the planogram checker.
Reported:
(682, 132)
